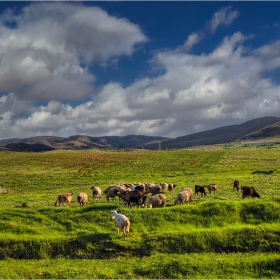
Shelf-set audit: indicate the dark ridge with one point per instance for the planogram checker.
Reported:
(225, 134)
(22, 147)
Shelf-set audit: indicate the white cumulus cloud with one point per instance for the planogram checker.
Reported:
(46, 53)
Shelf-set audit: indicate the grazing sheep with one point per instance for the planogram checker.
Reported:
(171, 187)
(114, 186)
(96, 192)
(235, 185)
(156, 200)
(82, 198)
(188, 189)
(108, 189)
(164, 185)
(199, 189)
(122, 222)
(64, 198)
(150, 184)
(249, 191)
(112, 193)
(133, 197)
(154, 189)
(142, 202)
(183, 197)
(211, 187)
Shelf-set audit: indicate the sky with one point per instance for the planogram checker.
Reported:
(156, 68)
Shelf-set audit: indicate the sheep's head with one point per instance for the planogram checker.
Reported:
(113, 214)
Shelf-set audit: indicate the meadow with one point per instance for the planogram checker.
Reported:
(217, 236)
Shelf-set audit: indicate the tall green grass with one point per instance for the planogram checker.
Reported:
(158, 266)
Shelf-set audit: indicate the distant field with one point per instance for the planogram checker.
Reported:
(217, 236)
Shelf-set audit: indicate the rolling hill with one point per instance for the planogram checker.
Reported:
(226, 134)
(78, 142)
(254, 129)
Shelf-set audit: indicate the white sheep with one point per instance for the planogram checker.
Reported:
(156, 200)
(122, 222)
(183, 197)
(188, 189)
(82, 198)
(96, 192)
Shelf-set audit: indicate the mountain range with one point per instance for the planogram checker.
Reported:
(254, 129)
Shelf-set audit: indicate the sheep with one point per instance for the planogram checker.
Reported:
(183, 197)
(114, 186)
(122, 222)
(82, 198)
(156, 200)
(133, 197)
(96, 192)
(149, 184)
(200, 189)
(164, 185)
(154, 189)
(62, 198)
(112, 193)
(236, 185)
(171, 187)
(142, 202)
(211, 187)
(137, 186)
(188, 189)
(108, 189)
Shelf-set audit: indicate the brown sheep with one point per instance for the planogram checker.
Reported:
(211, 187)
(64, 198)
(235, 185)
(154, 189)
(82, 198)
(171, 187)
(249, 191)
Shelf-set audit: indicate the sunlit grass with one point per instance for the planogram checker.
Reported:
(172, 242)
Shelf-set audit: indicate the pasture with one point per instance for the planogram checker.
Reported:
(216, 236)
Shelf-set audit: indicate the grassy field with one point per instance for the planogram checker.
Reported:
(217, 236)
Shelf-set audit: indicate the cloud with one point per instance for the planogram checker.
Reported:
(195, 93)
(191, 93)
(46, 51)
(192, 40)
(224, 16)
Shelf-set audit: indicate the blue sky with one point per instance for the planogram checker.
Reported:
(165, 68)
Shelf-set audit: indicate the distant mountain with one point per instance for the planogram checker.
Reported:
(80, 142)
(22, 147)
(270, 130)
(257, 128)
(225, 134)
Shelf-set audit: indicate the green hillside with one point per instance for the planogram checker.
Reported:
(217, 236)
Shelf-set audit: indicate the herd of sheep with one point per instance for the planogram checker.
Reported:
(137, 194)
(130, 194)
